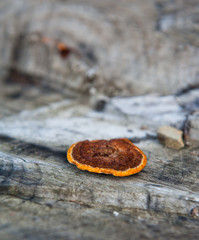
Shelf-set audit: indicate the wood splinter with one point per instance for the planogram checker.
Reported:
(119, 157)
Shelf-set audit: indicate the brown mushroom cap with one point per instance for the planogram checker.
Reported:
(119, 157)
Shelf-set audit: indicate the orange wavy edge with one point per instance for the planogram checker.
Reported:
(129, 171)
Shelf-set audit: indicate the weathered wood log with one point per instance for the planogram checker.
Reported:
(51, 50)
(145, 46)
(34, 170)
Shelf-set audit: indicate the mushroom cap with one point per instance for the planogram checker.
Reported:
(119, 157)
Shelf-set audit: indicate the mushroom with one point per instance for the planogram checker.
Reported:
(119, 157)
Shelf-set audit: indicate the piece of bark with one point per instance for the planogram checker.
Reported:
(170, 137)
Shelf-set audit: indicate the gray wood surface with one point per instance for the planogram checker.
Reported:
(41, 190)
(118, 50)
(135, 47)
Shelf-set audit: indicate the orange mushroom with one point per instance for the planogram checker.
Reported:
(64, 50)
(119, 157)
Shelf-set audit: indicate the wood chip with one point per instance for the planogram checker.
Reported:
(170, 137)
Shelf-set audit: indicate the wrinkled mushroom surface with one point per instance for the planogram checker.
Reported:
(119, 157)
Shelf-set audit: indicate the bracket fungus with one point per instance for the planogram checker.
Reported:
(119, 157)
